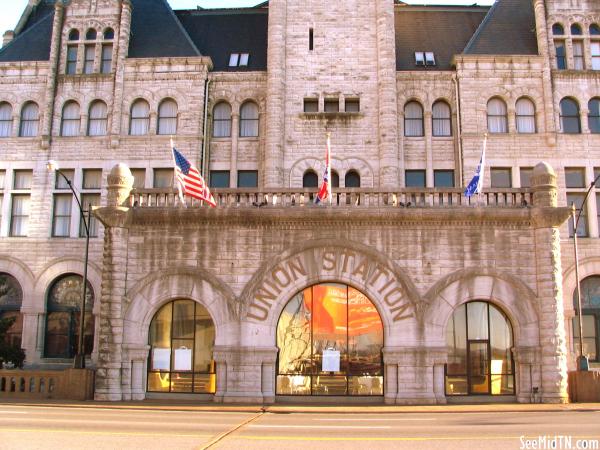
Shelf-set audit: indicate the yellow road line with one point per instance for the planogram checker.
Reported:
(104, 433)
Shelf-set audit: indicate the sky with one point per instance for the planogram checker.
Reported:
(11, 10)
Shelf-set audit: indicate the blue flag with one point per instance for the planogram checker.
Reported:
(475, 185)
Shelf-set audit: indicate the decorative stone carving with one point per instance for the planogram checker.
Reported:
(120, 183)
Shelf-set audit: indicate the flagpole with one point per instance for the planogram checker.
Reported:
(330, 184)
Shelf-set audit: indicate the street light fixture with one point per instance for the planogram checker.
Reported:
(79, 361)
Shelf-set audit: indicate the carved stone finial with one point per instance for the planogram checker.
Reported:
(120, 183)
(543, 182)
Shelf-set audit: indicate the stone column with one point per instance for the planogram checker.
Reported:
(235, 132)
(428, 130)
(120, 53)
(414, 376)
(546, 221)
(113, 217)
(136, 361)
(30, 336)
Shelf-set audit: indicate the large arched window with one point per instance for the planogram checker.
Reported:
(249, 120)
(98, 119)
(63, 313)
(30, 120)
(140, 118)
(525, 115)
(182, 338)
(71, 119)
(6, 119)
(310, 179)
(441, 122)
(594, 115)
(413, 119)
(222, 120)
(11, 298)
(330, 338)
(479, 339)
(569, 116)
(590, 305)
(352, 179)
(496, 116)
(167, 117)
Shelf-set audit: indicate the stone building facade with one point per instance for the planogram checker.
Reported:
(458, 297)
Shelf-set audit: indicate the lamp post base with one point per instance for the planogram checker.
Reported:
(583, 364)
(79, 361)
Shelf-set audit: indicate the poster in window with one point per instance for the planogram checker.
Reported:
(331, 360)
(161, 358)
(183, 358)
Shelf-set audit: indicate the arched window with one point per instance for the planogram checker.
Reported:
(90, 34)
(352, 179)
(71, 119)
(330, 338)
(441, 122)
(576, 30)
(30, 120)
(167, 117)
(222, 120)
(496, 116)
(98, 119)
(569, 116)
(74, 35)
(594, 29)
(140, 118)
(182, 338)
(63, 313)
(109, 34)
(525, 115)
(479, 339)
(413, 119)
(590, 308)
(6, 120)
(335, 179)
(11, 298)
(249, 120)
(594, 115)
(558, 29)
(310, 179)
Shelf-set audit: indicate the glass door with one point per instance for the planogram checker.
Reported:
(478, 367)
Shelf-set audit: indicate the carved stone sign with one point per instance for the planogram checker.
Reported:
(333, 263)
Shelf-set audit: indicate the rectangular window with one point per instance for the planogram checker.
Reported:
(106, 66)
(429, 59)
(332, 105)
(139, 178)
(595, 52)
(419, 58)
(86, 201)
(311, 105)
(578, 55)
(415, 178)
(60, 182)
(526, 173)
(589, 336)
(577, 199)
(19, 223)
(71, 68)
(247, 178)
(561, 55)
(352, 105)
(92, 179)
(575, 177)
(2, 178)
(22, 179)
(90, 53)
(163, 178)
(244, 58)
(234, 58)
(500, 177)
(311, 39)
(219, 178)
(443, 178)
(61, 215)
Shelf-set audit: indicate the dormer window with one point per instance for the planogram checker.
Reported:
(239, 59)
(424, 59)
(419, 58)
(429, 59)
(244, 57)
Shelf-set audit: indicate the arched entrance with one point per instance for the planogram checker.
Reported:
(182, 338)
(479, 338)
(330, 341)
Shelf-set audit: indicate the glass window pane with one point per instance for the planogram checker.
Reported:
(205, 341)
(219, 178)
(294, 341)
(159, 382)
(456, 340)
(160, 328)
(163, 178)
(365, 336)
(92, 178)
(60, 181)
(478, 367)
(2, 179)
(561, 55)
(577, 199)
(247, 178)
(443, 178)
(22, 179)
(332, 105)
(183, 319)
(457, 385)
(594, 115)
(249, 120)
(500, 177)
(352, 105)
(329, 323)
(139, 178)
(106, 65)
(415, 178)
(352, 179)
(311, 105)
(590, 288)
(575, 177)
(477, 320)
(12, 293)
(86, 201)
(20, 215)
(310, 179)
(62, 215)
(500, 342)
(526, 173)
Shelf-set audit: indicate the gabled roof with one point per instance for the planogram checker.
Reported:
(508, 29)
(443, 30)
(156, 32)
(220, 32)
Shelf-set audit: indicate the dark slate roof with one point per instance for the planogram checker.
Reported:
(156, 32)
(218, 33)
(508, 29)
(443, 30)
(32, 43)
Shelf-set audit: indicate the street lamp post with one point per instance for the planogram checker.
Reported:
(79, 361)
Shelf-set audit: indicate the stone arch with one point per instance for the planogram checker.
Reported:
(504, 290)
(153, 291)
(23, 275)
(342, 166)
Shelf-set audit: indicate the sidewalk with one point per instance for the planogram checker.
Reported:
(286, 408)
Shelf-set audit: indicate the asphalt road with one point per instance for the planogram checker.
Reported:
(56, 427)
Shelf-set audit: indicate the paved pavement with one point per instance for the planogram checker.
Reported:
(157, 425)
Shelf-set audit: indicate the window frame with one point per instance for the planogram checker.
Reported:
(246, 121)
(134, 120)
(571, 118)
(164, 120)
(221, 121)
(6, 124)
(441, 120)
(503, 116)
(420, 120)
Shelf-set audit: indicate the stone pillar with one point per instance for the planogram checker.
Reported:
(136, 361)
(428, 130)
(120, 53)
(30, 336)
(546, 221)
(414, 376)
(113, 217)
(235, 132)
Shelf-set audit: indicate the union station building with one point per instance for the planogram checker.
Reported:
(400, 290)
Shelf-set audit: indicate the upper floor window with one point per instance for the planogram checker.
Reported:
(569, 116)
(239, 59)
(140, 118)
(109, 34)
(222, 120)
(91, 34)
(557, 29)
(525, 116)
(578, 55)
(88, 60)
(106, 63)
(352, 179)
(332, 105)
(311, 105)
(5, 119)
(413, 119)
(594, 29)
(576, 30)
(441, 123)
(595, 53)
(335, 179)
(74, 35)
(71, 119)
(249, 120)
(561, 55)
(29, 120)
(352, 105)
(71, 68)
(98, 119)
(496, 116)
(310, 179)
(594, 115)
(167, 117)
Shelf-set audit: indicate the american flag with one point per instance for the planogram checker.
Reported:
(190, 181)
(325, 191)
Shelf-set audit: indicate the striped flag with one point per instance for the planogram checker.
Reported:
(189, 180)
(476, 184)
(325, 191)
